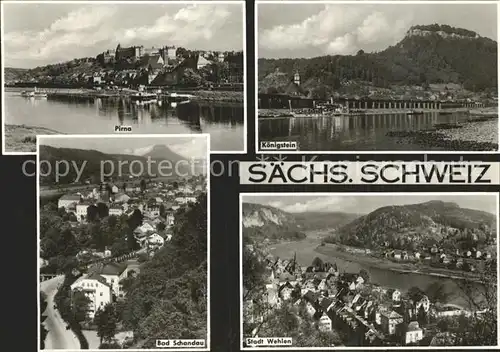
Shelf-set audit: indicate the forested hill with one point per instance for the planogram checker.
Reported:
(168, 299)
(13, 74)
(95, 163)
(415, 226)
(265, 222)
(426, 55)
(262, 222)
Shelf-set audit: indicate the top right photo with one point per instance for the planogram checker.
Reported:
(385, 77)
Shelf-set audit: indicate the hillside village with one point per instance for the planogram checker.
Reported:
(102, 238)
(411, 69)
(135, 66)
(348, 305)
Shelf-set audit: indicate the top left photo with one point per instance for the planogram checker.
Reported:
(134, 67)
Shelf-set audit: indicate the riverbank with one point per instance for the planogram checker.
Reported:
(384, 264)
(22, 138)
(274, 113)
(218, 96)
(489, 111)
(229, 96)
(287, 113)
(475, 134)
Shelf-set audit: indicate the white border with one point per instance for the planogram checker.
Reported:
(366, 194)
(164, 136)
(97, 2)
(360, 3)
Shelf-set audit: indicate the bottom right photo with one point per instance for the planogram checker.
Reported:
(334, 270)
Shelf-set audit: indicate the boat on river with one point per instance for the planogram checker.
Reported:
(443, 112)
(178, 98)
(414, 112)
(33, 94)
(144, 98)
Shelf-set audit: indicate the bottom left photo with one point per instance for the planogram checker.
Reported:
(123, 238)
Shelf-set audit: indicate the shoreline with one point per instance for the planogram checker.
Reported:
(471, 135)
(199, 95)
(22, 138)
(285, 113)
(380, 263)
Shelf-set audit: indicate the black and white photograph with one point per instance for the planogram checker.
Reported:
(133, 67)
(386, 76)
(369, 270)
(123, 232)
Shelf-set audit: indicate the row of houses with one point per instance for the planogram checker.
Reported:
(469, 260)
(368, 314)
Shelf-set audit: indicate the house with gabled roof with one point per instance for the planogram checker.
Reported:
(390, 321)
(113, 273)
(326, 304)
(68, 200)
(96, 289)
(414, 333)
(285, 291)
(312, 304)
(324, 322)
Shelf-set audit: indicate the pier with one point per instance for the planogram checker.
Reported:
(283, 101)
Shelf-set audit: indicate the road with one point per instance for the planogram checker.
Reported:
(58, 337)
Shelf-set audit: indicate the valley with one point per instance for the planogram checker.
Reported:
(382, 272)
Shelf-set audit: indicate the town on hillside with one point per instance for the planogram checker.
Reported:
(100, 244)
(339, 308)
(427, 84)
(135, 66)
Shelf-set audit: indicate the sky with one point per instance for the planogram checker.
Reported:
(41, 34)
(189, 147)
(365, 204)
(309, 30)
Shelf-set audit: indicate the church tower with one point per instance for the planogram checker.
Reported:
(296, 78)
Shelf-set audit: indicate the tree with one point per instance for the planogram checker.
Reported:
(109, 189)
(436, 292)
(181, 52)
(317, 263)
(173, 282)
(143, 185)
(143, 257)
(162, 210)
(422, 316)
(415, 294)
(120, 247)
(191, 78)
(43, 330)
(481, 295)
(132, 244)
(294, 322)
(102, 210)
(364, 274)
(253, 272)
(106, 321)
(92, 213)
(443, 325)
(135, 219)
(80, 306)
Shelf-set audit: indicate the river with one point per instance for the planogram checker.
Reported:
(348, 133)
(224, 122)
(305, 251)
